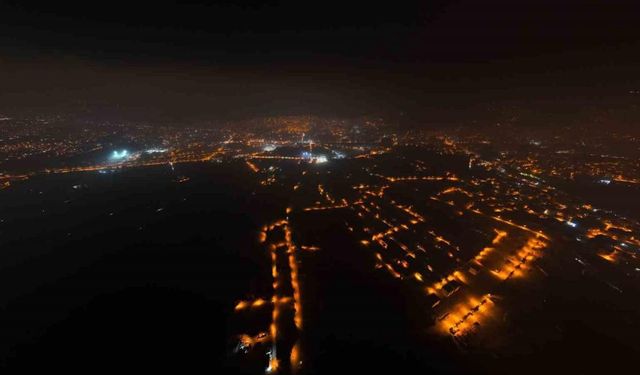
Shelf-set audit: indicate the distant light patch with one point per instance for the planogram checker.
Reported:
(338, 155)
(156, 150)
(119, 155)
(321, 159)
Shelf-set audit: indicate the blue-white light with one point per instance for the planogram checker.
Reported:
(572, 224)
(120, 155)
(338, 155)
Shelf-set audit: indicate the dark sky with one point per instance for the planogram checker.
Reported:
(236, 58)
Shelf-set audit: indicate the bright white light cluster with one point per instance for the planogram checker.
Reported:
(119, 155)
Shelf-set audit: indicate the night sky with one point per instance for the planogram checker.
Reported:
(438, 60)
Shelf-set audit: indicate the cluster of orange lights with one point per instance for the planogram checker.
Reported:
(275, 157)
(390, 231)
(409, 211)
(482, 254)
(422, 178)
(371, 153)
(437, 286)
(455, 189)
(499, 219)
(609, 226)
(379, 193)
(382, 264)
(499, 236)
(249, 341)
(324, 208)
(514, 267)
(309, 248)
(595, 232)
(611, 257)
(511, 223)
(606, 231)
(252, 166)
(253, 304)
(244, 305)
(466, 315)
(626, 180)
(325, 194)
